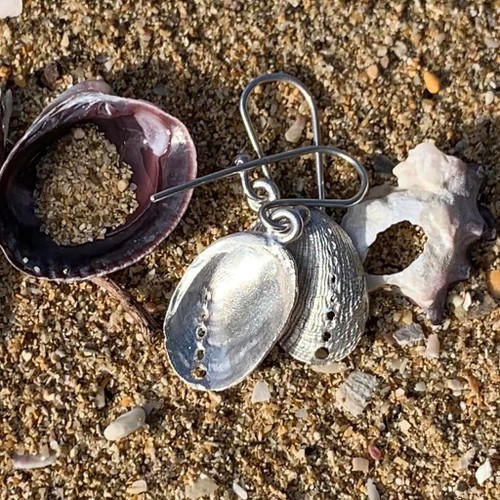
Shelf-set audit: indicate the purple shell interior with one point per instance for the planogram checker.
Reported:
(156, 145)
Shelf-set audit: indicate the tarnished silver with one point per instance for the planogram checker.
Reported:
(230, 309)
(250, 188)
(332, 307)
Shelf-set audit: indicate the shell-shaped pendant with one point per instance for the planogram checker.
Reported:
(229, 310)
(332, 306)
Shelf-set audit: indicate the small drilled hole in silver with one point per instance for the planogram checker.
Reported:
(200, 354)
(201, 331)
(199, 372)
(322, 353)
(330, 315)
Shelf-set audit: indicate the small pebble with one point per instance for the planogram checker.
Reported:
(466, 459)
(301, 413)
(372, 72)
(203, 486)
(32, 461)
(360, 464)
(493, 279)
(488, 97)
(261, 393)
(405, 426)
(335, 367)
(125, 424)
(294, 133)
(374, 452)
(455, 385)
(420, 387)
(371, 490)
(122, 185)
(409, 334)
(79, 133)
(10, 8)
(432, 82)
(484, 472)
(433, 347)
(137, 487)
(239, 491)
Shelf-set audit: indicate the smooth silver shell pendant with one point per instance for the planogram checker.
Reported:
(332, 307)
(229, 310)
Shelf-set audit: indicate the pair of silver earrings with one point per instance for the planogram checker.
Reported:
(294, 278)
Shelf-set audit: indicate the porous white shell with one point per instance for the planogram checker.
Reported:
(438, 193)
(229, 310)
(332, 307)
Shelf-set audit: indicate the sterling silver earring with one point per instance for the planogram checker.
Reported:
(294, 278)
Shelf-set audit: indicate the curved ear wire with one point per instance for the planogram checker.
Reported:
(291, 80)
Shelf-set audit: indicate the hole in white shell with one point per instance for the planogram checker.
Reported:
(322, 353)
(199, 372)
(395, 249)
(326, 336)
(200, 354)
(330, 315)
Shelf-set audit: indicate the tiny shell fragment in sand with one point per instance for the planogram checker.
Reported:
(203, 486)
(409, 334)
(354, 394)
(360, 464)
(137, 487)
(484, 472)
(239, 491)
(465, 460)
(374, 452)
(32, 461)
(294, 133)
(261, 393)
(125, 424)
(371, 490)
(433, 347)
(335, 367)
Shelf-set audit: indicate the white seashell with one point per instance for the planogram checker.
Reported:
(10, 8)
(408, 334)
(433, 347)
(438, 193)
(202, 487)
(125, 424)
(239, 491)
(360, 464)
(355, 392)
(294, 133)
(261, 393)
(371, 490)
(484, 472)
(230, 309)
(137, 487)
(32, 461)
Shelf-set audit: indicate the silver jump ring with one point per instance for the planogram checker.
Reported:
(271, 193)
(286, 224)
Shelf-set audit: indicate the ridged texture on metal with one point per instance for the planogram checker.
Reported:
(332, 307)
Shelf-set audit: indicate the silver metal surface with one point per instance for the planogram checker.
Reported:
(285, 155)
(332, 307)
(229, 310)
(248, 188)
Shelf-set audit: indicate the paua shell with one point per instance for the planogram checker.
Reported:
(332, 307)
(229, 310)
(156, 145)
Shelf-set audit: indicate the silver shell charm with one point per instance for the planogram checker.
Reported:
(229, 310)
(332, 308)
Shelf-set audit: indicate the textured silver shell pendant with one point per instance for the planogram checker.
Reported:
(230, 309)
(332, 307)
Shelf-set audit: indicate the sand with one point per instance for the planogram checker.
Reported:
(65, 347)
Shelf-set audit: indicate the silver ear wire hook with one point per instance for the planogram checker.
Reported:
(278, 77)
(267, 210)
